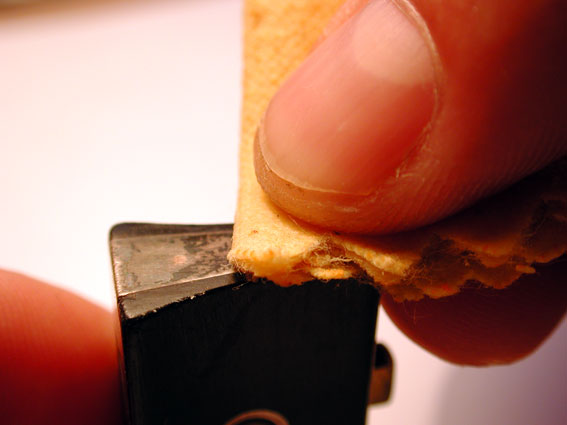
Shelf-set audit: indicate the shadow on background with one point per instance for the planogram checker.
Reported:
(521, 394)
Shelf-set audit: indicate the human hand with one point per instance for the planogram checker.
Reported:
(58, 357)
(58, 351)
(399, 118)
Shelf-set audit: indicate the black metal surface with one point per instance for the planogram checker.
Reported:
(208, 346)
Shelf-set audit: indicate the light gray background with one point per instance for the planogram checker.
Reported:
(129, 111)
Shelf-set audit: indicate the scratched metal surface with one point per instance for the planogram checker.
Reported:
(159, 90)
(146, 262)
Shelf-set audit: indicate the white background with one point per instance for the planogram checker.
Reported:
(129, 111)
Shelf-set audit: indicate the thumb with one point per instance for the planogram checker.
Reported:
(405, 114)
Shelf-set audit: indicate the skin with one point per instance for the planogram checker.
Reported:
(484, 326)
(59, 359)
(59, 362)
(500, 97)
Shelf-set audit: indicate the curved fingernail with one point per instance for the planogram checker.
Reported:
(351, 113)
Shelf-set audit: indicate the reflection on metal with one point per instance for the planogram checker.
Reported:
(149, 261)
(153, 268)
(203, 344)
(258, 417)
(381, 376)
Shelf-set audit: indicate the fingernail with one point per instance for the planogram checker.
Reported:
(352, 112)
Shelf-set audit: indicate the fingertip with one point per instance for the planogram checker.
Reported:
(348, 116)
(58, 354)
(483, 326)
(365, 152)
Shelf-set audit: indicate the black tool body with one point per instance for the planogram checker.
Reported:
(203, 345)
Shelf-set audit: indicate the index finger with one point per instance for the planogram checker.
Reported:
(58, 356)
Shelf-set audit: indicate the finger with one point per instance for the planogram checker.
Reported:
(58, 356)
(403, 116)
(484, 326)
(347, 10)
